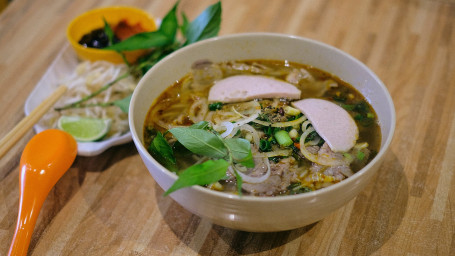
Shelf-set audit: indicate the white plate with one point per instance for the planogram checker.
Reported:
(63, 65)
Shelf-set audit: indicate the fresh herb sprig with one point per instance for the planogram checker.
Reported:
(202, 140)
(160, 43)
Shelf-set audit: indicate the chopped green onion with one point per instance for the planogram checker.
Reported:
(265, 145)
(283, 138)
(360, 155)
(215, 106)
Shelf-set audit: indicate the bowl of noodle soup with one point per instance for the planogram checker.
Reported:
(255, 209)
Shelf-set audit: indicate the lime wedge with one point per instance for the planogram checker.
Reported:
(84, 129)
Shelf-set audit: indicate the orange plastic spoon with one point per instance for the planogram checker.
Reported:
(46, 157)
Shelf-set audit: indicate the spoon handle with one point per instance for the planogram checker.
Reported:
(26, 220)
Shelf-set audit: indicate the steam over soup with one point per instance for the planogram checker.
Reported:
(261, 127)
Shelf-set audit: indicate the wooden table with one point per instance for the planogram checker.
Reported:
(110, 205)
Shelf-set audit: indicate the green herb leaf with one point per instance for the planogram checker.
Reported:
(239, 182)
(215, 106)
(241, 151)
(165, 35)
(169, 24)
(162, 151)
(283, 138)
(201, 125)
(201, 174)
(360, 155)
(109, 32)
(144, 40)
(265, 145)
(200, 141)
(124, 103)
(185, 24)
(206, 25)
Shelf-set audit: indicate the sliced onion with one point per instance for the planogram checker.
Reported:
(315, 141)
(279, 152)
(229, 127)
(347, 172)
(250, 179)
(290, 123)
(264, 123)
(246, 120)
(313, 157)
(254, 133)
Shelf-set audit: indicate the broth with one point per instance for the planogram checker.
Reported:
(186, 103)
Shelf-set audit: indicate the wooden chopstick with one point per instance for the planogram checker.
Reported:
(27, 122)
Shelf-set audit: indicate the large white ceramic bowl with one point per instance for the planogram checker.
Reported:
(250, 213)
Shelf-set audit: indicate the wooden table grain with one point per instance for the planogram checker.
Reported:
(110, 205)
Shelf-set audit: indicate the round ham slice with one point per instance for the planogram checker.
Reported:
(247, 87)
(331, 122)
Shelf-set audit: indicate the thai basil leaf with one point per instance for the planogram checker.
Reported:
(201, 125)
(109, 32)
(241, 151)
(169, 24)
(200, 174)
(165, 35)
(239, 182)
(143, 40)
(200, 141)
(206, 25)
(162, 152)
(185, 24)
(124, 104)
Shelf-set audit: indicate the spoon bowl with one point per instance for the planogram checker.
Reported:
(46, 157)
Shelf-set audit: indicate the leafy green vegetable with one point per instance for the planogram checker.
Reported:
(283, 138)
(124, 103)
(298, 188)
(348, 107)
(109, 32)
(140, 41)
(265, 145)
(215, 106)
(165, 35)
(201, 174)
(185, 23)
(160, 149)
(200, 141)
(240, 149)
(239, 180)
(311, 136)
(360, 155)
(201, 125)
(169, 24)
(160, 43)
(206, 25)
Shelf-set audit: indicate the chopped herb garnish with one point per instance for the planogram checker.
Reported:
(298, 188)
(265, 145)
(202, 140)
(360, 155)
(215, 106)
(283, 138)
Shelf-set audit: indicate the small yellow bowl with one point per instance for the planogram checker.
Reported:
(93, 19)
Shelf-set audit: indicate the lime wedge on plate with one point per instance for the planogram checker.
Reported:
(84, 129)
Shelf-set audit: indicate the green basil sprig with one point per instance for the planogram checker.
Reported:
(160, 43)
(202, 140)
(206, 25)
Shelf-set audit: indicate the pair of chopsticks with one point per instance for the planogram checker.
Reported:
(27, 122)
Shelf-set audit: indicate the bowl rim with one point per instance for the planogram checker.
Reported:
(249, 198)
